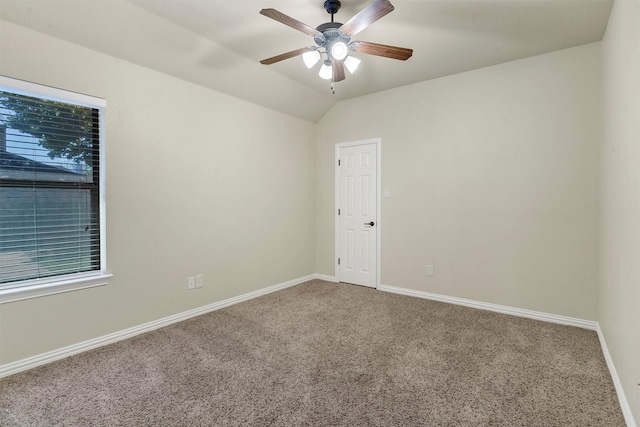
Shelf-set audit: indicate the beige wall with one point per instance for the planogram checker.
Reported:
(493, 177)
(198, 183)
(619, 291)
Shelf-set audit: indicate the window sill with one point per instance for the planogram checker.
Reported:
(51, 287)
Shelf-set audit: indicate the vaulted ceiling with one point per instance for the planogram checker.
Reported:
(218, 44)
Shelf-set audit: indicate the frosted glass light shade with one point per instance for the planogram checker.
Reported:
(326, 72)
(352, 64)
(311, 58)
(339, 51)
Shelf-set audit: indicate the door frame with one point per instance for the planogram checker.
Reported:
(338, 146)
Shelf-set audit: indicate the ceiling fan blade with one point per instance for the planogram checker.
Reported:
(287, 20)
(284, 56)
(367, 16)
(393, 52)
(337, 67)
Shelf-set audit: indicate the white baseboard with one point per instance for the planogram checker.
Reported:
(52, 356)
(537, 315)
(326, 278)
(622, 397)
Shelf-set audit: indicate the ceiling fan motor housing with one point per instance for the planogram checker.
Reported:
(330, 35)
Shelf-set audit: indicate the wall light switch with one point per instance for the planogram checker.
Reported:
(199, 281)
(430, 271)
(386, 192)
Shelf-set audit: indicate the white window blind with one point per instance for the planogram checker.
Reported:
(51, 224)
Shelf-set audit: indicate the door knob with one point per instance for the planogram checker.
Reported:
(370, 224)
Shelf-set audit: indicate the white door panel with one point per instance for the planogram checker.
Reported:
(357, 219)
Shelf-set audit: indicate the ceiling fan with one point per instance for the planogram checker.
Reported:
(333, 40)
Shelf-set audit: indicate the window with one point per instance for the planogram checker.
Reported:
(51, 191)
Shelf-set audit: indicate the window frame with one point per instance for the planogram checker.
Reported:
(33, 288)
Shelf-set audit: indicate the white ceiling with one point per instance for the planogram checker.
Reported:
(218, 44)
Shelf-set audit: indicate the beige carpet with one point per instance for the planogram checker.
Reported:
(324, 354)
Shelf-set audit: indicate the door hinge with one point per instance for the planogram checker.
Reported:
(338, 162)
(338, 211)
(338, 261)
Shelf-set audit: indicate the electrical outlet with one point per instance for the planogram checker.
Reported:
(430, 271)
(191, 283)
(199, 280)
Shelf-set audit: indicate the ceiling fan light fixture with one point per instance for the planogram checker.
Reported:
(352, 64)
(339, 50)
(326, 72)
(311, 58)
(333, 40)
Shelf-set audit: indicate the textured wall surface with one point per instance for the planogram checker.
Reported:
(619, 292)
(197, 183)
(493, 179)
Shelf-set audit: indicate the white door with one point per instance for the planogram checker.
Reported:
(357, 217)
